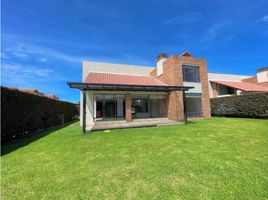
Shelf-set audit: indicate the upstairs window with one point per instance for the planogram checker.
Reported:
(191, 73)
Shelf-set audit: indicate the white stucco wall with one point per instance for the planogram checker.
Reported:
(262, 76)
(99, 67)
(159, 66)
(197, 87)
(226, 77)
(89, 108)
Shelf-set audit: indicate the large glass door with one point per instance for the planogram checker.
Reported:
(109, 107)
(149, 106)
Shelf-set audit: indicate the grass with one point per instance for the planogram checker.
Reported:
(220, 158)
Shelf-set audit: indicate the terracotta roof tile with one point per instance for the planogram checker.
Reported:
(118, 79)
(243, 86)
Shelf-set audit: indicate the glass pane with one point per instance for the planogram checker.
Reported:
(155, 109)
(140, 105)
(193, 105)
(191, 73)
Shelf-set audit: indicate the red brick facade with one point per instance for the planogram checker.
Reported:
(128, 108)
(173, 75)
(253, 80)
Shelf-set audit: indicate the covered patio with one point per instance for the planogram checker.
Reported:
(128, 122)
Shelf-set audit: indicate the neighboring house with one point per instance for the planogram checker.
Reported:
(221, 85)
(176, 88)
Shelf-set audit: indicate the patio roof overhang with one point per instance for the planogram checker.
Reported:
(117, 87)
(121, 87)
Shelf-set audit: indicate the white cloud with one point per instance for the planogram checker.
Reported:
(25, 51)
(16, 74)
(216, 33)
(42, 59)
(4, 56)
(20, 55)
(23, 72)
(265, 18)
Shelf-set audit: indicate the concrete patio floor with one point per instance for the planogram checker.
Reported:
(105, 125)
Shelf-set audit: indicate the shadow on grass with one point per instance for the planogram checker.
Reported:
(21, 142)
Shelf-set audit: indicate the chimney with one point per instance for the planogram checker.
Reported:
(262, 75)
(160, 59)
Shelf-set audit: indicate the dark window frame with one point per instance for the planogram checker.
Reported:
(184, 67)
(195, 114)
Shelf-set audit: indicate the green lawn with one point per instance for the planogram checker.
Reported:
(220, 158)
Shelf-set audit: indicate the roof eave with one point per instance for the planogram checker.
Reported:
(89, 86)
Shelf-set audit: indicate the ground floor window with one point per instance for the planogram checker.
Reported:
(109, 107)
(194, 105)
(148, 106)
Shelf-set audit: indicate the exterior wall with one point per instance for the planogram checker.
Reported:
(252, 80)
(175, 106)
(89, 109)
(262, 76)
(214, 88)
(197, 87)
(173, 75)
(159, 66)
(99, 67)
(205, 89)
(128, 108)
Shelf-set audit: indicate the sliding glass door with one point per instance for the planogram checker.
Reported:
(109, 107)
(149, 106)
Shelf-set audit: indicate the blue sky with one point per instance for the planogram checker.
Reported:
(44, 42)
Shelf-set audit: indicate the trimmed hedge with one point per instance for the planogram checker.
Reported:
(25, 113)
(249, 105)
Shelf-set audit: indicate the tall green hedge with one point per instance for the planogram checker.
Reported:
(248, 105)
(24, 113)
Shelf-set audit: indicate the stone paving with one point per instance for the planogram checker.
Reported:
(105, 125)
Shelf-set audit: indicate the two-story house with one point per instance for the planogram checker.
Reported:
(118, 95)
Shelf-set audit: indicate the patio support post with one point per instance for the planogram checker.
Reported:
(184, 107)
(84, 111)
(128, 108)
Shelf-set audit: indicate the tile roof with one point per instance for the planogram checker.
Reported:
(243, 86)
(118, 79)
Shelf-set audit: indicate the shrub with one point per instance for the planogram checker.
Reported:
(25, 113)
(249, 105)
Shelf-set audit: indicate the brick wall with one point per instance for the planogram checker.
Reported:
(214, 87)
(253, 80)
(173, 75)
(128, 108)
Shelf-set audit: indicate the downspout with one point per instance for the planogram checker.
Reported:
(84, 111)
(184, 107)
